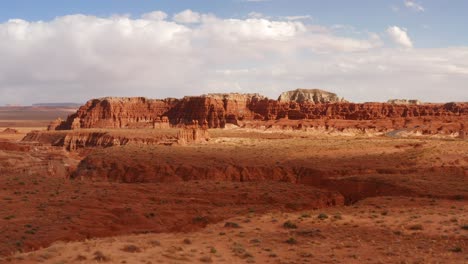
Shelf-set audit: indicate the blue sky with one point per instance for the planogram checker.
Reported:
(364, 50)
(442, 23)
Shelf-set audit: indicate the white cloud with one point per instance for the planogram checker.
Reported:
(187, 17)
(78, 57)
(298, 17)
(414, 6)
(156, 15)
(237, 30)
(256, 15)
(400, 36)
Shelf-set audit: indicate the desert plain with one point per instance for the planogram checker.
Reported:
(227, 189)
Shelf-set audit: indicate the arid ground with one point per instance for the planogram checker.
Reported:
(243, 196)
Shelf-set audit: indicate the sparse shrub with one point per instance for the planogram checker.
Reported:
(187, 241)
(31, 232)
(131, 249)
(305, 255)
(415, 227)
(456, 249)
(150, 215)
(155, 243)
(99, 256)
(240, 251)
(305, 215)
(322, 216)
(206, 259)
(464, 227)
(200, 219)
(255, 241)
(289, 225)
(291, 241)
(213, 250)
(231, 225)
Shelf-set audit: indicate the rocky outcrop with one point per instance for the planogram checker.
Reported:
(404, 102)
(217, 110)
(436, 126)
(161, 122)
(73, 140)
(315, 96)
(192, 135)
(56, 124)
(9, 131)
(76, 123)
(112, 112)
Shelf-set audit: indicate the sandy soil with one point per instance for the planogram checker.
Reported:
(383, 230)
(406, 201)
(31, 116)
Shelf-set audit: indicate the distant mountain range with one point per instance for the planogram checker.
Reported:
(58, 104)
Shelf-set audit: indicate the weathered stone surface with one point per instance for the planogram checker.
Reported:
(217, 110)
(9, 131)
(316, 96)
(76, 124)
(73, 140)
(112, 112)
(404, 101)
(161, 122)
(192, 135)
(56, 124)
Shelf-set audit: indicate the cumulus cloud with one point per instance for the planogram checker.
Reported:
(78, 57)
(256, 15)
(156, 15)
(298, 17)
(187, 17)
(400, 36)
(414, 6)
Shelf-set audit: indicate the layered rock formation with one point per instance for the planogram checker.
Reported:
(217, 110)
(316, 96)
(112, 112)
(56, 124)
(404, 101)
(73, 140)
(9, 131)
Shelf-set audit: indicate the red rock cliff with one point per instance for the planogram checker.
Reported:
(113, 112)
(216, 110)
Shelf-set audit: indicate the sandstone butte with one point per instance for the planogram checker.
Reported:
(217, 110)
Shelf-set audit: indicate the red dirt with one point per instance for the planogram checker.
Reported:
(380, 230)
(59, 209)
(143, 188)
